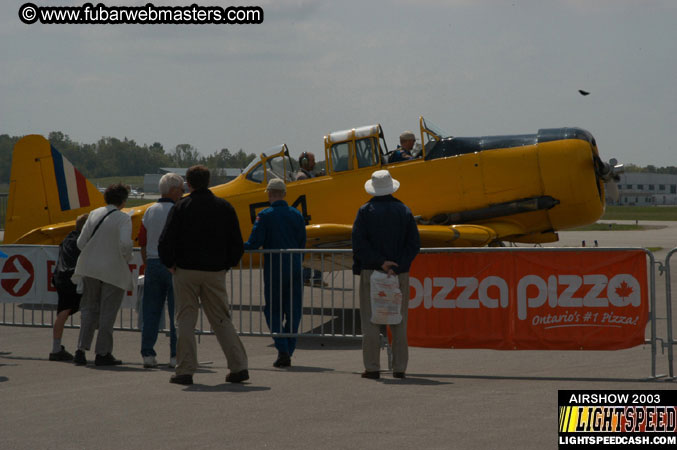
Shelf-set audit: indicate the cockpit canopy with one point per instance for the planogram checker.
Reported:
(345, 150)
(355, 148)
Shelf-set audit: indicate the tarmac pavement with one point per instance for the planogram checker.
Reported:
(451, 399)
(465, 399)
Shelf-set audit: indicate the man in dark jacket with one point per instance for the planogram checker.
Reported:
(385, 237)
(200, 242)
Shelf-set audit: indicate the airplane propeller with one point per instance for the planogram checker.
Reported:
(610, 173)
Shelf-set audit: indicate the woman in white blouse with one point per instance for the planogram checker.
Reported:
(103, 272)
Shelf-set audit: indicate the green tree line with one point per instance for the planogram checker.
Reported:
(114, 157)
(651, 169)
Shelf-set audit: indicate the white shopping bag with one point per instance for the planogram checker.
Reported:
(386, 299)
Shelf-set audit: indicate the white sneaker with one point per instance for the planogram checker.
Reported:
(172, 362)
(149, 362)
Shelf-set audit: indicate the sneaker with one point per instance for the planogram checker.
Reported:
(283, 360)
(79, 358)
(185, 380)
(106, 360)
(61, 355)
(375, 375)
(149, 362)
(399, 375)
(237, 377)
(172, 362)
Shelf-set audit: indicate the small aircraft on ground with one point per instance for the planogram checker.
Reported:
(464, 191)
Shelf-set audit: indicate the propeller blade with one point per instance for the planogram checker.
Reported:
(610, 173)
(612, 190)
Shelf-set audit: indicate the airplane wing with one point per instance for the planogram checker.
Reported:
(52, 234)
(455, 235)
(461, 235)
(339, 235)
(329, 235)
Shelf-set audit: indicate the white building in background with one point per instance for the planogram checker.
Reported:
(647, 189)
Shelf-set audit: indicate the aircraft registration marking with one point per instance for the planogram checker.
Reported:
(300, 201)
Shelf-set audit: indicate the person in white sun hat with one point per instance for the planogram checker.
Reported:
(385, 237)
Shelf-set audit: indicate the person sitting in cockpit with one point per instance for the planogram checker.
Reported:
(405, 150)
(306, 164)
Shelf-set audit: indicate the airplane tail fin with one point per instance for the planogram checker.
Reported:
(44, 189)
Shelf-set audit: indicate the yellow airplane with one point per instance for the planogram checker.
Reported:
(464, 191)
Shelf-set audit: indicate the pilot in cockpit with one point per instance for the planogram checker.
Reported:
(307, 167)
(306, 164)
(407, 149)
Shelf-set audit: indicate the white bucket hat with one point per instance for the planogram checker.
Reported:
(381, 183)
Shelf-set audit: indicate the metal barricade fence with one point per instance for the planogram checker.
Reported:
(670, 342)
(331, 310)
(327, 310)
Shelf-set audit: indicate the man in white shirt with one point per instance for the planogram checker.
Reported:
(103, 270)
(157, 284)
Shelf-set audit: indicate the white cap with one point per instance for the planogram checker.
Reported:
(276, 184)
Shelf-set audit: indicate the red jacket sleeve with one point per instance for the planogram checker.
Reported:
(142, 237)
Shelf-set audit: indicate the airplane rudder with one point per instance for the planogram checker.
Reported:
(45, 188)
(74, 191)
(26, 204)
(67, 191)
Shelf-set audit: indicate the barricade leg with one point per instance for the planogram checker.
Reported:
(668, 309)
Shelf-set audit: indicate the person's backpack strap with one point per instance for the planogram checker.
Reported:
(100, 222)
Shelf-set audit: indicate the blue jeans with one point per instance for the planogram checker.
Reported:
(284, 306)
(157, 287)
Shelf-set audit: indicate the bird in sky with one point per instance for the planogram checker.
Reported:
(583, 93)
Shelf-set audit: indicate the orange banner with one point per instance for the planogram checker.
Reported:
(571, 300)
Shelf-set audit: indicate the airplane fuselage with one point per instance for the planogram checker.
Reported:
(525, 187)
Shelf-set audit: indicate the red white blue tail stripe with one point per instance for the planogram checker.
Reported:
(71, 184)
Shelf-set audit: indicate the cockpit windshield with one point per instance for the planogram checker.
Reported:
(254, 162)
(428, 125)
(278, 165)
(431, 134)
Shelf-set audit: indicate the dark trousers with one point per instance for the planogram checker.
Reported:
(309, 274)
(284, 305)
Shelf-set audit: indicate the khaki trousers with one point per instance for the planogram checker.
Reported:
(371, 342)
(192, 287)
(98, 308)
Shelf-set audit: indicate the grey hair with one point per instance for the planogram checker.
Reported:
(169, 181)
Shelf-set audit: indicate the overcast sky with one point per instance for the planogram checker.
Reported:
(472, 67)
